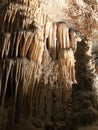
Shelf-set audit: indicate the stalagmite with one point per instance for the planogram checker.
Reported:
(85, 90)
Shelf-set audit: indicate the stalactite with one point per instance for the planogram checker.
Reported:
(29, 42)
(17, 77)
(54, 39)
(50, 38)
(30, 97)
(8, 69)
(67, 38)
(42, 70)
(73, 40)
(5, 45)
(62, 35)
(22, 43)
(68, 65)
(47, 28)
(18, 42)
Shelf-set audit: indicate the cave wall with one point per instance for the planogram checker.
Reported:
(36, 64)
(37, 68)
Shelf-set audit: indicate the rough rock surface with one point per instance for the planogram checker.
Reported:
(85, 104)
(37, 67)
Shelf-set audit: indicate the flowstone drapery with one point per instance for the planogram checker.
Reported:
(37, 64)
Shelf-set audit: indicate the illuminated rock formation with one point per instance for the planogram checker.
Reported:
(85, 104)
(37, 64)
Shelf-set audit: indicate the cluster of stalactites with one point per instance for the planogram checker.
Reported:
(79, 14)
(22, 30)
(61, 44)
(28, 39)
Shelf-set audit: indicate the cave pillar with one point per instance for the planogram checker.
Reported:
(84, 92)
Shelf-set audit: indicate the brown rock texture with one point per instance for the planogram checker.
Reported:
(84, 93)
(36, 68)
(37, 65)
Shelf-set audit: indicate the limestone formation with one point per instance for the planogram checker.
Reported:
(85, 104)
(39, 76)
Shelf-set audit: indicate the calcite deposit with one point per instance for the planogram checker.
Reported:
(46, 64)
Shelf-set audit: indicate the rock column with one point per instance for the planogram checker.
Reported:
(84, 92)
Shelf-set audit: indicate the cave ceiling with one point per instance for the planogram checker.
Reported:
(81, 15)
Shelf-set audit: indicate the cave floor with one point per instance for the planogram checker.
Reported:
(94, 126)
